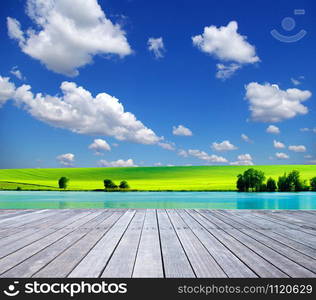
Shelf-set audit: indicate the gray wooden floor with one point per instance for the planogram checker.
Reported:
(157, 243)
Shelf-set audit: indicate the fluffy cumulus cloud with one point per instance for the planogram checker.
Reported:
(117, 163)
(181, 130)
(78, 111)
(268, 103)
(99, 145)
(278, 145)
(281, 155)
(66, 159)
(273, 129)
(68, 34)
(243, 160)
(227, 45)
(156, 46)
(223, 146)
(205, 156)
(297, 148)
(7, 90)
(245, 138)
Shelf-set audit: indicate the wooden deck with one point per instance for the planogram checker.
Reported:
(157, 243)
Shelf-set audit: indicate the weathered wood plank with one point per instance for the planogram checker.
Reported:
(67, 261)
(229, 263)
(251, 258)
(36, 236)
(203, 264)
(95, 261)
(287, 224)
(17, 257)
(148, 260)
(35, 263)
(249, 222)
(175, 261)
(122, 261)
(19, 235)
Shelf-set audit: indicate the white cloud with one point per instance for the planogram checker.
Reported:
(226, 71)
(67, 36)
(305, 129)
(278, 145)
(183, 153)
(157, 164)
(281, 155)
(308, 156)
(17, 73)
(273, 129)
(14, 30)
(181, 130)
(223, 146)
(78, 111)
(295, 81)
(118, 163)
(204, 156)
(243, 160)
(99, 145)
(268, 103)
(66, 159)
(7, 89)
(156, 46)
(297, 148)
(246, 138)
(167, 146)
(313, 162)
(308, 129)
(226, 44)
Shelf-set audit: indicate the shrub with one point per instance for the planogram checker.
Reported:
(124, 185)
(292, 182)
(19, 188)
(63, 182)
(109, 184)
(271, 185)
(313, 183)
(261, 188)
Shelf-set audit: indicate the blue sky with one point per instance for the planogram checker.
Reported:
(145, 55)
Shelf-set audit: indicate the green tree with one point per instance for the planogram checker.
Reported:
(109, 184)
(240, 184)
(124, 185)
(271, 185)
(253, 179)
(261, 188)
(313, 183)
(283, 185)
(294, 181)
(63, 182)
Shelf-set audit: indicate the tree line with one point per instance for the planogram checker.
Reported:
(254, 181)
(108, 184)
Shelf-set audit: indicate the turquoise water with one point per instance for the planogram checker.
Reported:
(206, 200)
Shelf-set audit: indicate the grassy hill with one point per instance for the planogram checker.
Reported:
(142, 178)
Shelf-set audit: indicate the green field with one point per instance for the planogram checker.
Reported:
(142, 178)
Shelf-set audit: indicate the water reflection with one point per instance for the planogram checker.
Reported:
(203, 200)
